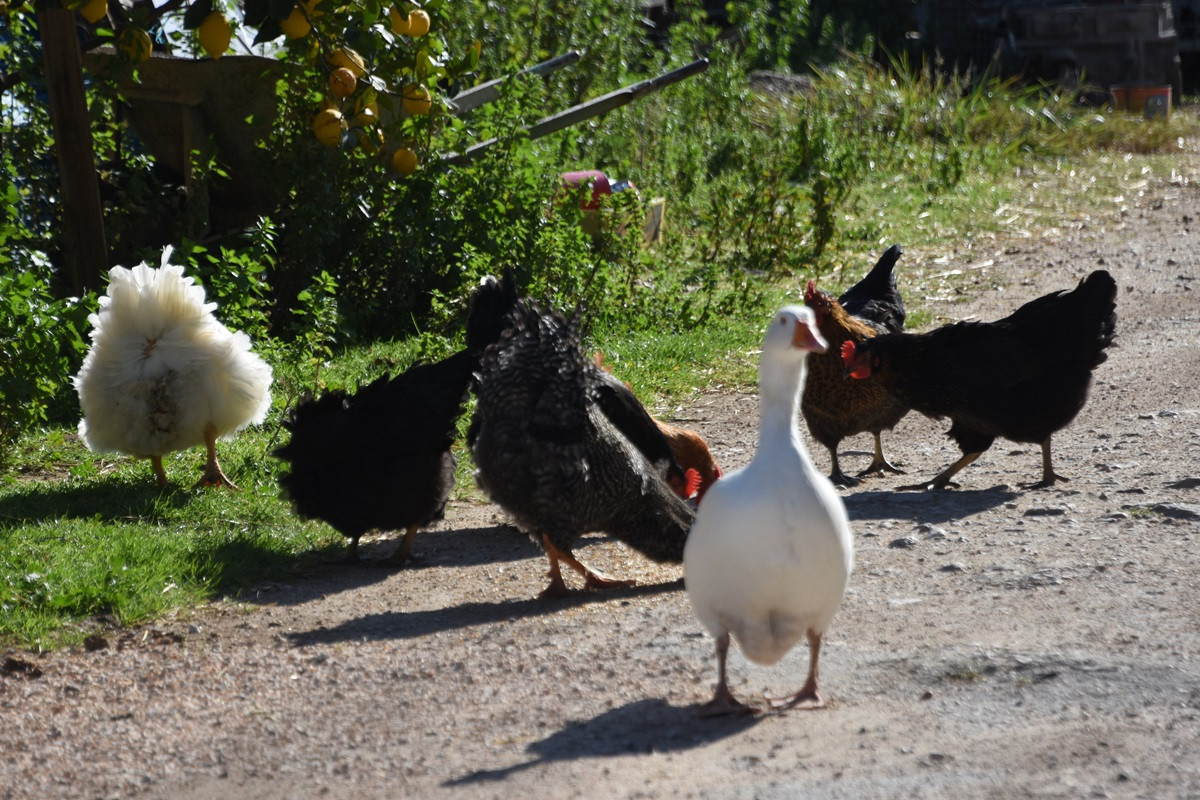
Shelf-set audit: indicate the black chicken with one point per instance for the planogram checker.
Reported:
(380, 458)
(1022, 377)
(552, 452)
(834, 407)
(875, 299)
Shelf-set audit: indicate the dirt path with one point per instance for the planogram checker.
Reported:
(996, 642)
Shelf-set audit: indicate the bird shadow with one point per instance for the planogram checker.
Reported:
(644, 726)
(322, 573)
(471, 547)
(399, 625)
(930, 506)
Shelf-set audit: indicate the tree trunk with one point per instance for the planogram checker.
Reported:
(86, 252)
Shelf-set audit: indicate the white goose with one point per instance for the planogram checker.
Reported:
(770, 553)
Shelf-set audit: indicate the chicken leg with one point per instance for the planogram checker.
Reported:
(160, 474)
(592, 579)
(836, 476)
(723, 702)
(213, 476)
(1049, 477)
(942, 479)
(403, 552)
(879, 464)
(808, 692)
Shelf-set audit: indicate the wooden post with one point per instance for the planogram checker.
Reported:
(86, 251)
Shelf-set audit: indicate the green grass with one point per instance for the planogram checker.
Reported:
(86, 537)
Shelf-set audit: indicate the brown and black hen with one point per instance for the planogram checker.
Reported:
(1022, 377)
(547, 451)
(694, 469)
(379, 458)
(833, 406)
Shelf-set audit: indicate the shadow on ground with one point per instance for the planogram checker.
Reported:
(414, 624)
(324, 574)
(936, 506)
(644, 726)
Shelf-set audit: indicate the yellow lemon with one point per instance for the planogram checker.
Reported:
(418, 23)
(95, 10)
(366, 102)
(371, 142)
(399, 21)
(134, 45)
(416, 99)
(345, 57)
(366, 117)
(310, 8)
(327, 126)
(296, 25)
(404, 161)
(342, 82)
(215, 34)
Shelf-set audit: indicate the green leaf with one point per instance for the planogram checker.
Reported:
(268, 30)
(196, 14)
(371, 11)
(256, 12)
(281, 9)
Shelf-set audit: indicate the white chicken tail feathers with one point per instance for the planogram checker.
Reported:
(144, 301)
(162, 368)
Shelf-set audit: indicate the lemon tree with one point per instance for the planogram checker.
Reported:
(383, 67)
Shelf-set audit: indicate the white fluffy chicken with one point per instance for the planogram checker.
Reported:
(163, 374)
(770, 553)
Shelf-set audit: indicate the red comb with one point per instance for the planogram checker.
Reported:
(810, 292)
(848, 350)
(691, 482)
(704, 487)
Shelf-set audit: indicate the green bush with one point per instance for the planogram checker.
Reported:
(41, 347)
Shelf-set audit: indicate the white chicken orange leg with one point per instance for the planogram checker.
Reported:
(213, 476)
(160, 474)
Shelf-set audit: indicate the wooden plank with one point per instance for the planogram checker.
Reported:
(83, 220)
(487, 92)
(592, 108)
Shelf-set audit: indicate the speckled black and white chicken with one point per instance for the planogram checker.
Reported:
(550, 452)
(380, 458)
(164, 374)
